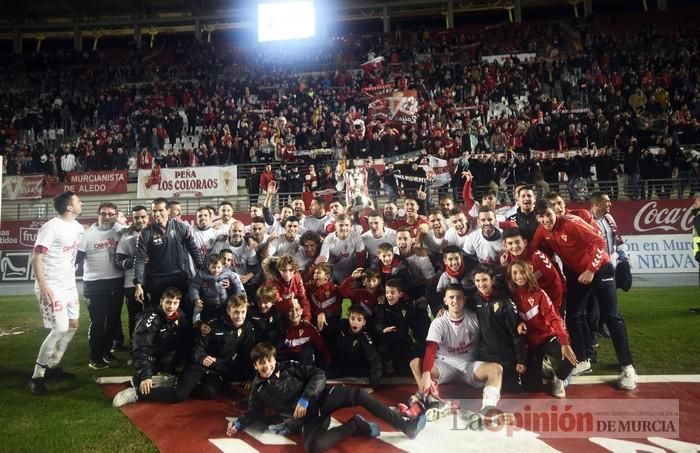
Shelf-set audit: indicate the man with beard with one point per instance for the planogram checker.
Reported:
(103, 283)
(485, 243)
(245, 259)
(524, 216)
(124, 259)
(204, 235)
(223, 225)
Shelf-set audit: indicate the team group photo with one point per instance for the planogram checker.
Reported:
(322, 226)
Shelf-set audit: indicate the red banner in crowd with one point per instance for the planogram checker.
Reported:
(22, 187)
(88, 183)
(636, 217)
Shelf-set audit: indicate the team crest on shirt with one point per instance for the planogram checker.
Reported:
(403, 313)
(301, 332)
(238, 332)
(354, 343)
(563, 236)
(496, 306)
(531, 301)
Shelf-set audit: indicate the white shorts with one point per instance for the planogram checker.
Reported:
(65, 307)
(456, 370)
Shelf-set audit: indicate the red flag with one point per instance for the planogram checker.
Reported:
(371, 65)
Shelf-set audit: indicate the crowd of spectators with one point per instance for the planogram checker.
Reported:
(624, 91)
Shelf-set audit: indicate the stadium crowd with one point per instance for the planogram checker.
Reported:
(624, 97)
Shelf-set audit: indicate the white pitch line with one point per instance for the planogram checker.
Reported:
(575, 380)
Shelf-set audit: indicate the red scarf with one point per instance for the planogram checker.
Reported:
(174, 316)
(394, 263)
(458, 274)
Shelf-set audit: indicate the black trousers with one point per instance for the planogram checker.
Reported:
(104, 301)
(156, 286)
(197, 380)
(133, 307)
(316, 435)
(551, 348)
(604, 288)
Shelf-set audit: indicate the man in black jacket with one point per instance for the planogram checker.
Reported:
(252, 185)
(160, 341)
(218, 356)
(299, 395)
(161, 256)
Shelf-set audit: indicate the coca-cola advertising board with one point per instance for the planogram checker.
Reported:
(657, 234)
(650, 216)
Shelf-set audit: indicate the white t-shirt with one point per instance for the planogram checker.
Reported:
(432, 243)
(243, 257)
(341, 253)
(454, 238)
(456, 340)
(205, 239)
(372, 243)
(127, 246)
(311, 223)
(100, 247)
(61, 239)
(281, 246)
(487, 252)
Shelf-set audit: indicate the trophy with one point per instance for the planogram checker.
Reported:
(356, 194)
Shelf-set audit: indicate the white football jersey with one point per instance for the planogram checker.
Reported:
(372, 243)
(454, 238)
(456, 340)
(61, 239)
(341, 253)
(487, 252)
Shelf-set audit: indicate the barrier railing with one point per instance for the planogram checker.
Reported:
(617, 189)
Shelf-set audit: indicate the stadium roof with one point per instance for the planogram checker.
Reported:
(63, 14)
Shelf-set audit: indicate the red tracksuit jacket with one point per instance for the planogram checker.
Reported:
(298, 336)
(547, 274)
(287, 291)
(577, 243)
(324, 298)
(361, 295)
(542, 319)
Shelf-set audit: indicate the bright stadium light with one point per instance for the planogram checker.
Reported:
(280, 21)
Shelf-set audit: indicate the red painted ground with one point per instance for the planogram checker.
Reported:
(187, 426)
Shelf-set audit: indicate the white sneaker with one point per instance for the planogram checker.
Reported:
(628, 378)
(126, 396)
(558, 388)
(583, 367)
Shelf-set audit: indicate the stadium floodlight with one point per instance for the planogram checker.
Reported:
(286, 20)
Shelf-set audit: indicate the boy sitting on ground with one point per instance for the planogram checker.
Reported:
(299, 395)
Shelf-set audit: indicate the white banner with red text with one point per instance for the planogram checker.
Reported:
(187, 182)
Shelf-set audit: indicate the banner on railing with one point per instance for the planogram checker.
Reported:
(187, 182)
(87, 183)
(22, 187)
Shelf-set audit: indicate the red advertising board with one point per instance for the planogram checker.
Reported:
(87, 183)
(636, 217)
